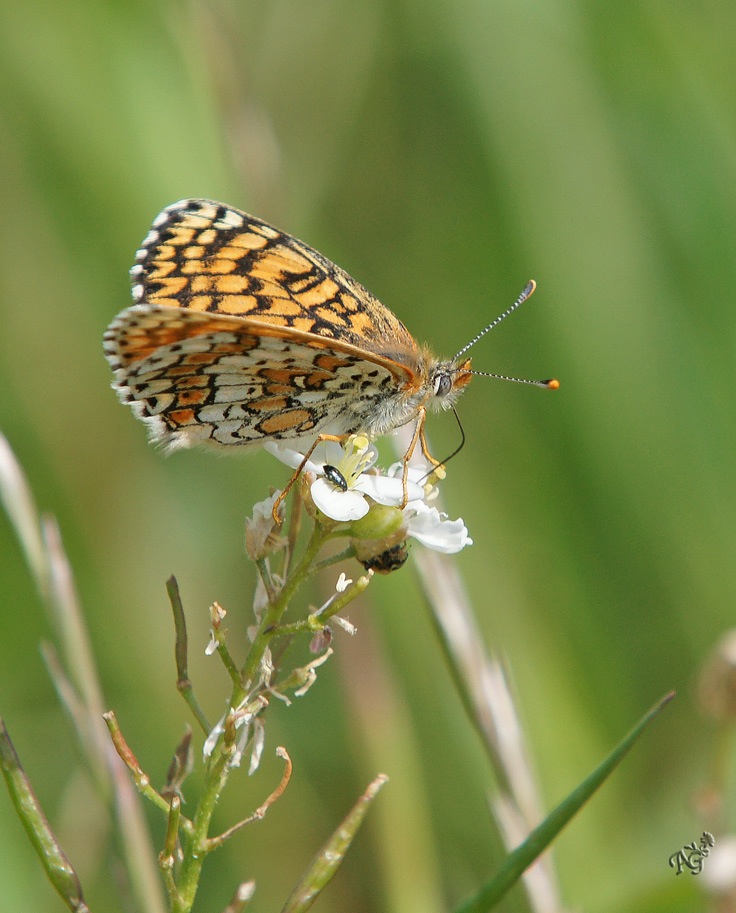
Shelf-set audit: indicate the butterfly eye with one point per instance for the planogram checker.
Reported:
(442, 384)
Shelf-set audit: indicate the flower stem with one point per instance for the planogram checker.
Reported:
(195, 846)
(276, 609)
(316, 621)
(141, 779)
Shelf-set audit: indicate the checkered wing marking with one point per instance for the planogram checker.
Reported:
(223, 380)
(206, 256)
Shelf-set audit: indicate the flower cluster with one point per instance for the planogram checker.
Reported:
(377, 512)
(347, 487)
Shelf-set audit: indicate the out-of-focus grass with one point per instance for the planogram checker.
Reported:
(444, 153)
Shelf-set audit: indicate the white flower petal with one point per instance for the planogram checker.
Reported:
(259, 740)
(212, 738)
(289, 456)
(345, 624)
(434, 530)
(415, 473)
(330, 452)
(342, 583)
(339, 505)
(387, 491)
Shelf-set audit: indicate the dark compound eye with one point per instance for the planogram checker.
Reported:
(333, 474)
(442, 384)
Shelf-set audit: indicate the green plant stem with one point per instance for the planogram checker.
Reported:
(167, 858)
(275, 610)
(140, 778)
(295, 524)
(265, 573)
(316, 621)
(195, 847)
(329, 858)
(346, 553)
(172, 828)
(227, 660)
(197, 844)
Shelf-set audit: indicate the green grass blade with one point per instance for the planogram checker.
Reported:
(540, 838)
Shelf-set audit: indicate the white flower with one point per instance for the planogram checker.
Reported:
(425, 523)
(433, 529)
(333, 464)
(345, 484)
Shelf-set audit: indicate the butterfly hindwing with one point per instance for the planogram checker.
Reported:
(208, 378)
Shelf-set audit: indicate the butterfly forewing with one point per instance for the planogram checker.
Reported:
(205, 256)
(242, 334)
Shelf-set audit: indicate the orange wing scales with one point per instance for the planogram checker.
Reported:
(242, 333)
(199, 378)
(241, 265)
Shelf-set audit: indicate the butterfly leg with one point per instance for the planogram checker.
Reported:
(300, 468)
(418, 436)
(425, 447)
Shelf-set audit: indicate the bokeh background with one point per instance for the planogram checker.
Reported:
(443, 152)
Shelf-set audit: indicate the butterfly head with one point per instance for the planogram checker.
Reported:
(448, 380)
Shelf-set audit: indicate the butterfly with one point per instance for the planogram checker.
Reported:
(242, 334)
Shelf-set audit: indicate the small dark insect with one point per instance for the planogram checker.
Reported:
(333, 474)
(390, 560)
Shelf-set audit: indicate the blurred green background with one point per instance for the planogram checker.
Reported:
(443, 152)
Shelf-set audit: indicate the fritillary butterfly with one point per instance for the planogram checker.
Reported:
(242, 334)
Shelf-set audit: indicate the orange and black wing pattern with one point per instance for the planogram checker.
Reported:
(243, 334)
(206, 256)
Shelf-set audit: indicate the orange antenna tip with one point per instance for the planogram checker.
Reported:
(552, 384)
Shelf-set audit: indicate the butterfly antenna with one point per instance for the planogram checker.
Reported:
(528, 291)
(462, 438)
(550, 384)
